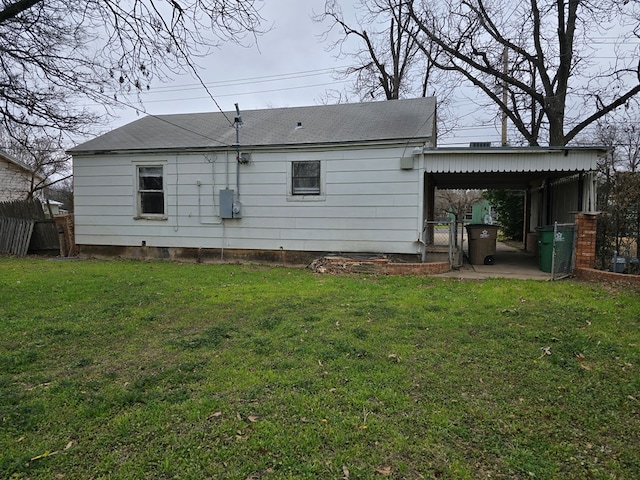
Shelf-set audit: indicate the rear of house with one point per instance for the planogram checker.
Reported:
(300, 182)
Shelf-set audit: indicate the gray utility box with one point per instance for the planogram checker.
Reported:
(482, 243)
(229, 208)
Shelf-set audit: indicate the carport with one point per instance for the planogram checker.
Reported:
(558, 182)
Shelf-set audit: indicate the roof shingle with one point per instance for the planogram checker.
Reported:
(396, 120)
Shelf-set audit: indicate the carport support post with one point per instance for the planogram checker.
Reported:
(548, 199)
(526, 228)
(587, 228)
(429, 207)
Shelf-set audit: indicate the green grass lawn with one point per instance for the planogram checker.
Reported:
(134, 370)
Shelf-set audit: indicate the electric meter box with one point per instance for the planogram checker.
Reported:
(226, 203)
(229, 208)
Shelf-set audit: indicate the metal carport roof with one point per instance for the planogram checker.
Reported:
(500, 167)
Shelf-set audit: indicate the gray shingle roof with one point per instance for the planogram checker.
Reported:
(396, 120)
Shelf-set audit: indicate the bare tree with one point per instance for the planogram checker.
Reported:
(55, 54)
(619, 186)
(62, 192)
(535, 59)
(457, 202)
(628, 146)
(620, 132)
(385, 55)
(382, 42)
(48, 164)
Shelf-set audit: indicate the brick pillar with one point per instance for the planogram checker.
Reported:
(587, 226)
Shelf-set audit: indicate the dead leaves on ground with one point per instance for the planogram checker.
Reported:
(250, 418)
(384, 470)
(241, 433)
(583, 361)
(49, 453)
(545, 351)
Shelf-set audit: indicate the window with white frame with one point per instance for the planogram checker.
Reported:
(150, 191)
(305, 178)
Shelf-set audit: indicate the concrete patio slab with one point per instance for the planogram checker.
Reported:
(510, 262)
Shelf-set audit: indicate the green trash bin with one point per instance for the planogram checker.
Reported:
(563, 239)
(545, 248)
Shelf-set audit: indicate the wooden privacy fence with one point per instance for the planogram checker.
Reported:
(24, 228)
(15, 235)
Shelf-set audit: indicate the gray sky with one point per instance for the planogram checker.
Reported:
(289, 66)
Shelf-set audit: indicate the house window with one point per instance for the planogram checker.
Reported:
(305, 178)
(150, 191)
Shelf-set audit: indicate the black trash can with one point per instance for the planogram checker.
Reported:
(482, 243)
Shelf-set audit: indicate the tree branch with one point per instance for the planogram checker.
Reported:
(16, 8)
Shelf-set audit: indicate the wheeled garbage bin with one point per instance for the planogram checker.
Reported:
(545, 247)
(558, 242)
(482, 243)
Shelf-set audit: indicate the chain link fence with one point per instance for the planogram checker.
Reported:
(562, 260)
(443, 240)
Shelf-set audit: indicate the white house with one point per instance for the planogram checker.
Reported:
(289, 184)
(15, 178)
(330, 178)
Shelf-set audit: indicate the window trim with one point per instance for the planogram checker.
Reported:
(309, 197)
(139, 215)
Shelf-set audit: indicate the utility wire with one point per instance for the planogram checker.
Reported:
(254, 92)
(174, 87)
(249, 80)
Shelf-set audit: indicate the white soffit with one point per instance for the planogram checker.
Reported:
(473, 160)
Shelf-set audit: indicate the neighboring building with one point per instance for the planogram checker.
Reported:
(53, 208)
(481, 212)
(351, 178)
(15, 178)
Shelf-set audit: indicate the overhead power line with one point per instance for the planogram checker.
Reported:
(245, 81)
(237, 94)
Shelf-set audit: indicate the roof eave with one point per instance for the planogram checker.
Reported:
(285, 146)
(601, 149)
(16, 162)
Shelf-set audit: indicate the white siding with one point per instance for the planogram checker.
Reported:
(368, 204)
(14, 182)
(508, 160)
